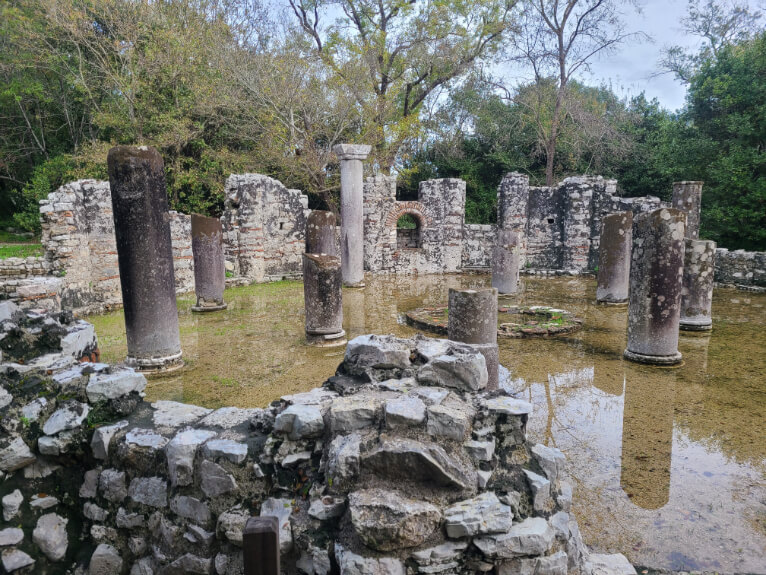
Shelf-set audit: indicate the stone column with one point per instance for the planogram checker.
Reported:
(687, 196)
(320, 233)
(473, 319)
(505, 262)
(697, 294)
(145, 256)
(656, 275)
(352, 212)
(209, 264)
(322, 293)
(614, 258)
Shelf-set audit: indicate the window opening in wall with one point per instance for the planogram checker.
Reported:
(407, 232)
(550, 220)
(281, 225)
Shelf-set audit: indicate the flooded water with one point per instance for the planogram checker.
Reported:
(669, 465)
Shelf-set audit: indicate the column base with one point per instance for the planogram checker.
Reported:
(695, 326)
(674, 359)
(326, 339)
(206, 308)
(156, 364)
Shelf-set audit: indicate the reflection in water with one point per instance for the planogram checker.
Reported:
(683, 488)
(647, 440)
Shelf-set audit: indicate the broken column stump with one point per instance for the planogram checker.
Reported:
(656, 275)
(614, 258)
(352, 212)
(505, 262)
(323, 298)
(145, 256)
(209, 263)
(697, 294)
(473, 319)
(687, 196)
(320, 233)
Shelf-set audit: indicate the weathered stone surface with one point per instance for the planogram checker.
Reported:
(56, 444)
(11, 504)
(320, 233)
(541, 491)
(473, 319)
(327, 507)
(190, 508)
(282, 509)
(181, 451)
(344, 457)
(105, 560)
(111, 485)
(11, 536)
(105, 386)
(354, 412)
(441, 558)
(533, 536)
(174, 414)
(214, 480)
(353, 564)
(508, 406)
(555, 564)
(102, 437)
(352, 211)
(377, 352)
(41, 501)
(228, 449)
(398, 458)
(70, 416)
(15, 559)
(125, 520)
(505, 262)
(687, 197)
(460, 369)
(34, 409)
(448, 422)
(209, 267)
(14, 454)
(151, 491)
(404, 411)
(616, 564)
(51, 537)
(386, 521)
(480, 450)
(146, 438)
(94, 512)
(231, 523)
(323, 299)
(228, 417)
(300, 421)
(551, 460)
(614, 258)
(697, 292)
(480, 515)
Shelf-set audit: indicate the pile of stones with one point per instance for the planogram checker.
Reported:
(401, 463)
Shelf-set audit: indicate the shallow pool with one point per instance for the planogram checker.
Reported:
(669, 465)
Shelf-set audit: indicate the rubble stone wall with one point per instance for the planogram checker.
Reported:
(740, 268)
(400, 464)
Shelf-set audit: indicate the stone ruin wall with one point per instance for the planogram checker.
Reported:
(402, 463)
(264, 233)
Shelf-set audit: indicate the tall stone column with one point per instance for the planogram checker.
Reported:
(209, 264)
(320, 233)
(614, 258)
(687, 196)
(697, 294)
(472, 318)
(323, 298)
(656, 276)
(145, 256)
(505, 262)
(352, 212)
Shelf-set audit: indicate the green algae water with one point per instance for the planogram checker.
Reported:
(668, 465)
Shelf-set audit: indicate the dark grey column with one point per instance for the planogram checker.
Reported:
(322, 293)
(352, 212)
(505, 262)
(687, 196)
(145, 256)
(697, 294)
(320, 233)
(209, 264)
(656, 275)
(614, 258)
(473, 319)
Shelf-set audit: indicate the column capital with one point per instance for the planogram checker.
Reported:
(352, 151)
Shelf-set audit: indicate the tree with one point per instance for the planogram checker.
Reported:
(558, 39)
(391, 55)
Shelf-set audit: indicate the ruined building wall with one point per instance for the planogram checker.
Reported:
(264, 227)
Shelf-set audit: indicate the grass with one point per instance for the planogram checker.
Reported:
(20, 251)
(7, 237)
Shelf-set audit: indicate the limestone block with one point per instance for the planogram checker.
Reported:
(481, 515)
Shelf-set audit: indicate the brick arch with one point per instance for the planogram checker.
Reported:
(414, 209)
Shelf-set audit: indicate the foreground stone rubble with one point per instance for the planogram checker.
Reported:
(392, 467)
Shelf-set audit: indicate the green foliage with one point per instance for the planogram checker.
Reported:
(20, 251)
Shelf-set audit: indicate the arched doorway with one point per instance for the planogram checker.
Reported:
(407, 232)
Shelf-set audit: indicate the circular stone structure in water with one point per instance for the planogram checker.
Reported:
(529, 321)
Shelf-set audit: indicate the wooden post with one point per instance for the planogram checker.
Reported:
(260, 546)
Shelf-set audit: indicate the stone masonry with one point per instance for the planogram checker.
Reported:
(402, 463)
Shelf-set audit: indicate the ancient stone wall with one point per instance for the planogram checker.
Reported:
(740, 268)
(400, 464)
(478, 240)
(14, 272)
(439, 214)
(264, 228)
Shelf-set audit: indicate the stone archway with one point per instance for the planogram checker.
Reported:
(407, 222)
